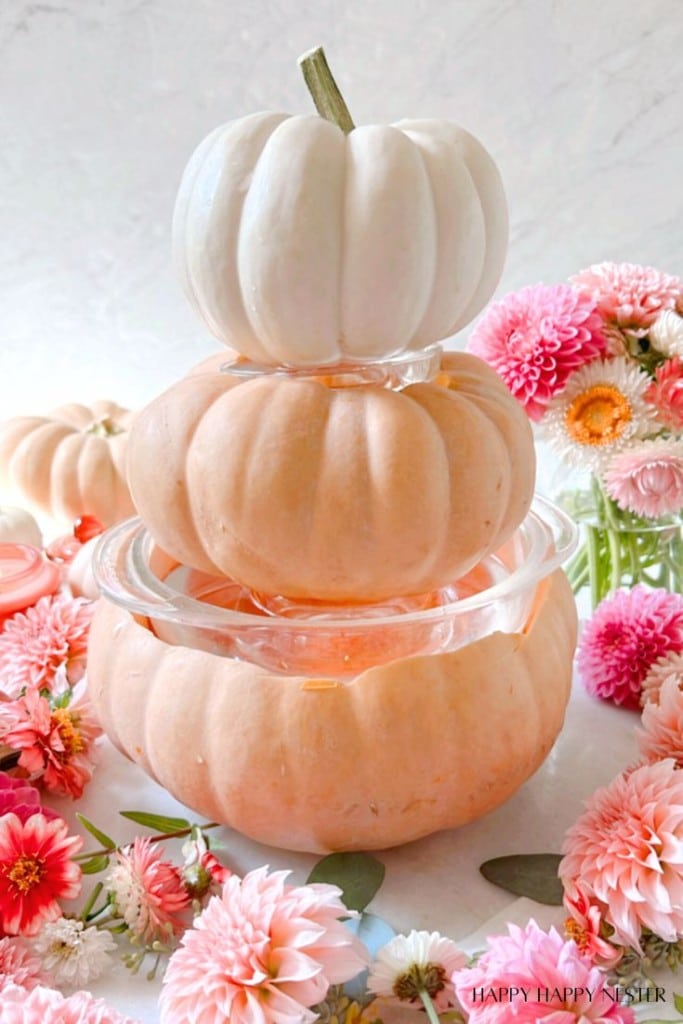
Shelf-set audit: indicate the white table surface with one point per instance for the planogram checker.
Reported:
(432, 884)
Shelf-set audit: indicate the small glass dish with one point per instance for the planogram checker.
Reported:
(190, 608)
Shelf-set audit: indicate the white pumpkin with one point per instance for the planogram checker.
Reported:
(17, 526)
(79, 574)
(302, 245)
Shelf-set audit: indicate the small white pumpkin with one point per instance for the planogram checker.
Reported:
(17, 526)
(304, 243)
(79, 574)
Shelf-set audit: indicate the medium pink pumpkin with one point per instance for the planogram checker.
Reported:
(346, 494)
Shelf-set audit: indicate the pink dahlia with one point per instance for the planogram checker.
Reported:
(36, 644)
(21, 798)
(661, 735)
(628, 294)
(57, 744)
(665, 393)
(626, 852)
(46, 1006)
(36, 871)
(530, 976)
(263, 952)
(628, 632)
(536, 338)
(647, 478)
(148, 892)
(19, 967)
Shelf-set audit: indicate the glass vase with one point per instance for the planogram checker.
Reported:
(617, 548)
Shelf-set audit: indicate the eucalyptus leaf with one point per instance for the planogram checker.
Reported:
(100, 862)
(158, 822)
(358, 875)
(658, 1020)
(678, 1002)
(533, 875)
(100, 836)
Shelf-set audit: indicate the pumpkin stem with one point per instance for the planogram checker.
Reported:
(328, 100)
(106, 427)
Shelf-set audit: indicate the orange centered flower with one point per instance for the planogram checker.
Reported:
(598, 416)
(66, 723)
(25, 873)
(573, 930)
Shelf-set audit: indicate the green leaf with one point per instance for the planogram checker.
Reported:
(652, 1020)
(533, 875)
(157, 822)
(100, 836)
(358, 875)
(97, 863)
(678, 1003)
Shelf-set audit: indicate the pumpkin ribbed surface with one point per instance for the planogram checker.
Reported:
(403, 750)
(300, 245)
(342, 494)
(71, 462)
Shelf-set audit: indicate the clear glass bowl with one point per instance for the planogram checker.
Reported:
(190, 608)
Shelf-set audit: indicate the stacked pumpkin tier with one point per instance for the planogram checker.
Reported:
(335, 492)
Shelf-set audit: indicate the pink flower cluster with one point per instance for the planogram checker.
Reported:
(627, 634)
(622, 425)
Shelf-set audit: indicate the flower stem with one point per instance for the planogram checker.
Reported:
(160, 837)
(91, 901)
(328, 100)
(432, 1015)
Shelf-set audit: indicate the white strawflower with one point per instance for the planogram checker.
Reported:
(414, 963)
(666, 334)
(600, 410)
(73, 954)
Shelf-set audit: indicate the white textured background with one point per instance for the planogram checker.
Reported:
(102, 102)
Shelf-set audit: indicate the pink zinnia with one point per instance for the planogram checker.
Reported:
(536, 338)
(585, 926)
(648, 478)
(36, 871)
(36, 644)
(18, 966)
(20, 797)
(561, 984)
(661, 735)
(148, 892)
(57, 744)
(666, 393)
(626, 852)
(46, 1006)
(628, 294)
(626, 635)
(262, 952)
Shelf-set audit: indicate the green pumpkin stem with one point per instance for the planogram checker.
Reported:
(328, 100)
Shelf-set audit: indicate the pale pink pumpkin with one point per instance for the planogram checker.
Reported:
(295, 487)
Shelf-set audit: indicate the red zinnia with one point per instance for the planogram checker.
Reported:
(36, 870)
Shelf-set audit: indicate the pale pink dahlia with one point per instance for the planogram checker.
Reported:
(37, 643)
(552, 980)
(263, 952)
(628, 294)
(669, 666)
(647, 478)
(18, 966)
(661, 735)
(665, 393)
(536, 338)
(626, 635)
(626, 852)
(46, 1006)
(148, 892)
